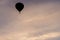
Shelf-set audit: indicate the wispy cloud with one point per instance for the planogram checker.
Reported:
(39, 21)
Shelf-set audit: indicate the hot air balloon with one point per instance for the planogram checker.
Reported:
(19, 6)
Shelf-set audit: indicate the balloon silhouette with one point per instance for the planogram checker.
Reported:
(19, 6)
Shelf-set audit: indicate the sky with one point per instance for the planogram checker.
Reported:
(39, 20)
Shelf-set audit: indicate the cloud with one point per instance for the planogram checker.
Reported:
(36, 22)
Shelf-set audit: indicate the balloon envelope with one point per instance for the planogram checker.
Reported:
(19, 6)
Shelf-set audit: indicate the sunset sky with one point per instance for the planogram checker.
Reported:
(39, 20)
